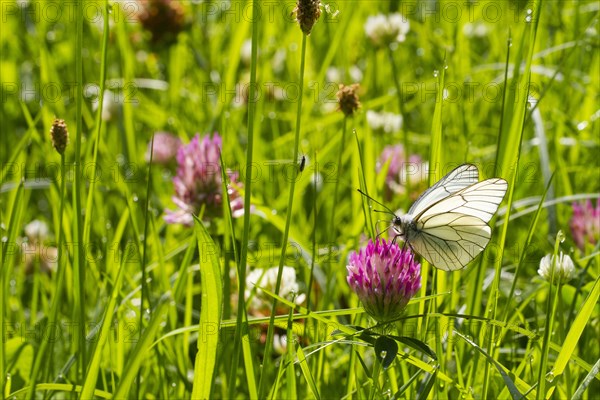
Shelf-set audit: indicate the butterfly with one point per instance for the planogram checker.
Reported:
(448, 224)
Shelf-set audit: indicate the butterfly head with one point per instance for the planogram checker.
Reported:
(403, 226)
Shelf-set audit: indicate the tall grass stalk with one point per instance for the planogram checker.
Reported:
(334, 205)
(242, 317)
(550, 314)
(78, 257)
(47, 344)
(144, 287)
(15, 219)
(286, 231)
(98, 124)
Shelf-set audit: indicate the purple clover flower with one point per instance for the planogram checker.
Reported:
(400, 168)
(385, 277)
(585, 223)
(198, 182)
(165, 147)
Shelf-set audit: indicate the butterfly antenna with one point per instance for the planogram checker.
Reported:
(388, 210)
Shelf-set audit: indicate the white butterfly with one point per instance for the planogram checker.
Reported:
(448, 224)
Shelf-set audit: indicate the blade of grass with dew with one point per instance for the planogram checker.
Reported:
(210, 313)
(512, 388)
(570, 342)
(425, 390)
(89, 384)
(586, 381)
(14, 225)
(436, 161)
(312, 386)
(139, 353)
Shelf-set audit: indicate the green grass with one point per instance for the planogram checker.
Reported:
(134, 307)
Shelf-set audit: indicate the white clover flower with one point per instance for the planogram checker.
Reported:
(388, 122)
(261, 301)
(246, 52)
(387, 29)
(475, 29)
(563, 270)
(36, 231)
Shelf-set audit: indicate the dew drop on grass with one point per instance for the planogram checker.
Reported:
(560, 236)
(4, 239)
(550, 376)
(135, 198)
(383, 353)
(436, 73)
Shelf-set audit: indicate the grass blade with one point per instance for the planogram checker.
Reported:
(512, 389)
(89, 384)
(210, 313)
(574, 334)
(140, 351)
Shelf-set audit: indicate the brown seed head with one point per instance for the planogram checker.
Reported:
(60, 135)
(307, 13)
(348, 98)
(164, 19)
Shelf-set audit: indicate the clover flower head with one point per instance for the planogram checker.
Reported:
(198, 182)
(261, 302)
(387, 29)
(385, 277)
(585, 223)
(402, 168)
(563, 270)
(165, 148)
(384, 121)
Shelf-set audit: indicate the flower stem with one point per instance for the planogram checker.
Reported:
(48, 344)
(242, 317)
(286, 231)
(550, 312)
(375, 378)
(79, 260)
(337, 181)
